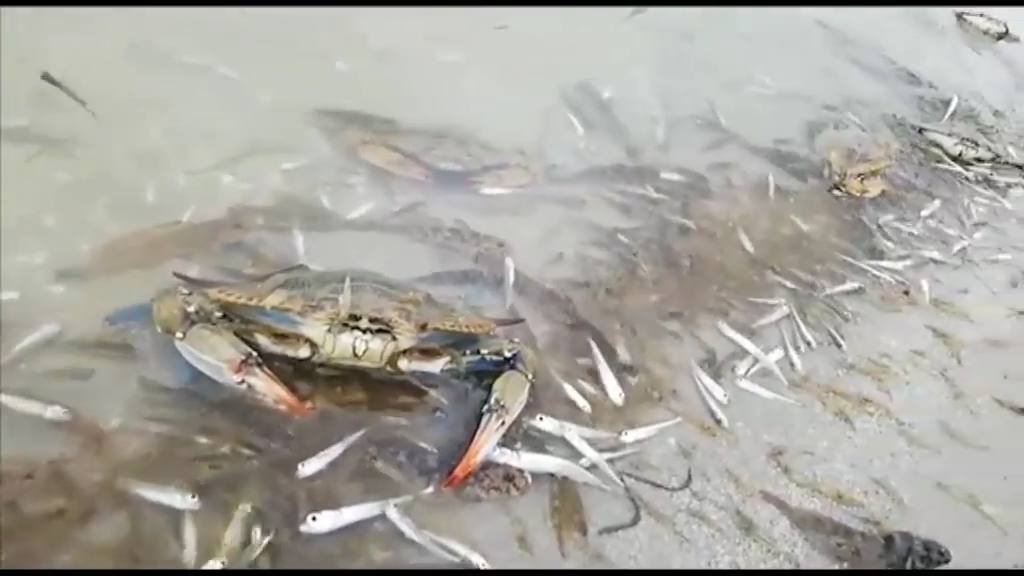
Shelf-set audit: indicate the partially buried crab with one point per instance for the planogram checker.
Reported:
(859, 175)
(349, 319)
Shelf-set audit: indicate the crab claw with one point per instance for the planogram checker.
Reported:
(508, 398)
(223, 357)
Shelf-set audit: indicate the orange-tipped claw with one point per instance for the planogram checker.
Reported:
(487, 436)
(508, 397)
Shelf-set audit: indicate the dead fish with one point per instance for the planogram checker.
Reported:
(608, 379)
(557, 427)
(232, 540)
(537, 463)
(968, 498)
(408, 529)
(510, 280)
(588, 451)
(1013, 408)
(751, 348)
(949, 111)
(189, 539)
(325, 521)
(46, 410)
(573, 394)
(926, 293)
(322, 459)
(958, 147)
(994, 28)
(49, 79)
(708, 383)
(568, 517)
(763, 392)
(844, 288)
(791, 353)
(716, 413)
(164, 495)
(641, 433)
(837, 338)
(40, 336)
(772, 317)
(802, 329)
(748, 246)
(459, 549)
(594, 113)
(930, 209)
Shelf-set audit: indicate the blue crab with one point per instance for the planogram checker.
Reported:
(352, 319)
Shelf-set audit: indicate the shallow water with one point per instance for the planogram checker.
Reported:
(199, 110)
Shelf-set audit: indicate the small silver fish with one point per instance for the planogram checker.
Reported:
(836, 337)
(189, 539)
(510, 280)
(800, 224)
(324, 521)
(573, 394)
(1001, 257)
(771, 186)
(759, 390)
(930, 209)
(768, 301)
(322, 459)
(775, 354)
(705, 381)
(949, 110)
(585, 449)
(300, 244)
(745, 240)
(802, 329)
(537, 463)
(9, 295)
(844, 288)
(170, 496)
(231, 541)
(257, 544)
(751, 348)
(716, 412)
(870, 270)
(608, 379)
(359, 211)
(926, 292)
(609, 456)
(461, 550)
(40, 336)
(791, 353)
(30, 407)
(772, 317)
(556, 427)
(642, 433)
(408, 529)
(587, 386)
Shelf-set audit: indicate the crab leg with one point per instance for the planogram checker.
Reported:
(508, 398)
(219, 354)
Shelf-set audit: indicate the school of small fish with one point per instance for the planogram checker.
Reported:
(761, 343)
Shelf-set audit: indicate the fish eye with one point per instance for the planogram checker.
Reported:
(193, 497)
(313, 518)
